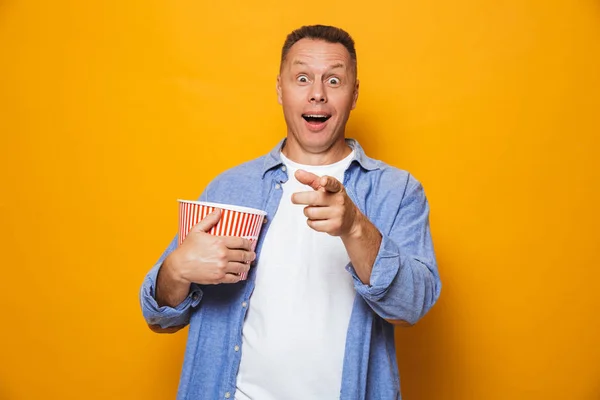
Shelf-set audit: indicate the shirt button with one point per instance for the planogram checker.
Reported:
(227, 395)
(237, 348)
(195, 296)
(284, 168)
(278, 186)
(244, 304)
(264, 220)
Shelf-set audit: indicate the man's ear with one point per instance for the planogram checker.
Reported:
(355, 96)
(278, 87)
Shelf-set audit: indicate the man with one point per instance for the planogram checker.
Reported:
(345, 253)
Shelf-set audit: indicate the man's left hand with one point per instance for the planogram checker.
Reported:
(328, 207)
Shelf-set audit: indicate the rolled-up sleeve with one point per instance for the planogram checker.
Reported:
(404, 282)
(166, 316)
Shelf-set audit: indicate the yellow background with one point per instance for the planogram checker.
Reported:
(111, 110)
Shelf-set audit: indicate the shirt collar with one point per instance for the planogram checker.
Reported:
(273, 159)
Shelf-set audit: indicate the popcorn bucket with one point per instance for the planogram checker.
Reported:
(235, 220)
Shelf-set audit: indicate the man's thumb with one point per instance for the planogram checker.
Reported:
(208, 222)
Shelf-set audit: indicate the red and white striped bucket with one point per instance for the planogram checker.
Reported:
(235, 220)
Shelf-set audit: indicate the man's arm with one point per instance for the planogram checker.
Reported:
(362, 245)
(395, 272)
(404, 282)
(330, 210)
(172, 288)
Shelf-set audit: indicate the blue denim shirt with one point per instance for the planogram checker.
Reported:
(404, 281)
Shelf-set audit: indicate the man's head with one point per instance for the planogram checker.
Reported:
(325, 33)
(317, 87)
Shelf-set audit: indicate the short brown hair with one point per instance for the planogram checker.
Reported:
(329, 34)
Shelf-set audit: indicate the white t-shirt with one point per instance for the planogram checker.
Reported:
(294, 334)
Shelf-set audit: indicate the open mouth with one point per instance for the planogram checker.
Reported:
(316, 118)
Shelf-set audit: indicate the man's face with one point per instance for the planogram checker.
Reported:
(317, 88)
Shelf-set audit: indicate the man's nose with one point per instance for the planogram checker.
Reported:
(317, 93)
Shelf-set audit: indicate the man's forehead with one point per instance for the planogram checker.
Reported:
(334, 64)
(318, 55)
(312, 49)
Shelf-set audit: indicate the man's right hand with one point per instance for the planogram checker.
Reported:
(204, 259)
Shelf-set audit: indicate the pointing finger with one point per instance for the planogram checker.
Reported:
(308, 178)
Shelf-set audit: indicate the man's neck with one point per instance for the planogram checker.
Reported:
(335, 153)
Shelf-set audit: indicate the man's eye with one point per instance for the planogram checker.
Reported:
(302, 79)
(334, 81)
